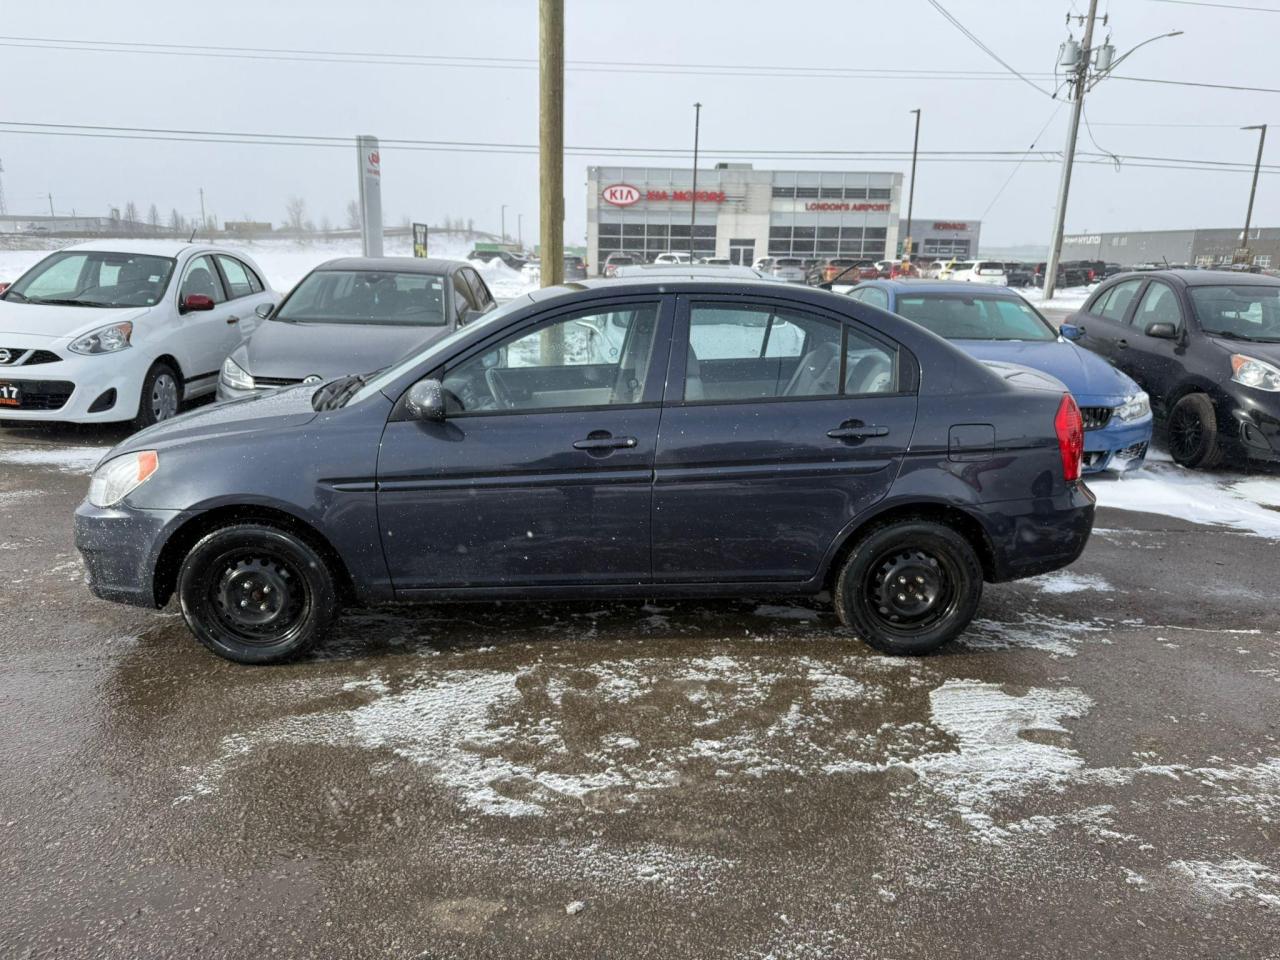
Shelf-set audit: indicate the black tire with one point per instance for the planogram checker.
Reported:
(256, 594)
(937, 573)
(161, 396)
(1193, 433)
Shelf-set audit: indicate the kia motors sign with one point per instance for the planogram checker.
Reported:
(620, 194)
(370, 182)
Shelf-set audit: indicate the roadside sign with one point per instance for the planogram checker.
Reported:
(420, 240)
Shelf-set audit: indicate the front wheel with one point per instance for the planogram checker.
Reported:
(161, 395)
(909, 586)
(1193, 433)
(256, 594)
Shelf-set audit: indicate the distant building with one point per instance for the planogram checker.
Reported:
(937, 238)
(1204, 248)
(247, 227)
(38, 225)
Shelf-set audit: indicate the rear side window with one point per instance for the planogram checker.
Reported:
(463, 298)
(237, 276)
(1114, 303)
(741, 353)
(478, 289)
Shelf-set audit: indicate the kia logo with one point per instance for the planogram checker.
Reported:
(5, 356)
(374, 159)
(620, 194)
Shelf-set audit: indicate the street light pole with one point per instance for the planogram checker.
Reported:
(520, 230)
(503, 222)
(1257, 165)
(1078, 83)
(911, 191)
(693, 197)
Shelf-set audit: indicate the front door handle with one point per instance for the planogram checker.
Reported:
(604, 443)
(231, 320)
(857, 431)
(1122, 344)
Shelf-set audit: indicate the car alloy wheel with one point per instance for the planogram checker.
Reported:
(164, 397)
(1193, 433)
(1185, 435)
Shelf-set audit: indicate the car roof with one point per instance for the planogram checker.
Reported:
(396, 264)
(1207, 278)
(694, 271)
(157, 248)
(911, 285)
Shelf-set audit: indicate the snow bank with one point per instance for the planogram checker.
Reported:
(1196, 496)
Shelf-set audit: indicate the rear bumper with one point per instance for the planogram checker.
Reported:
(1030, 537)
(120, 546)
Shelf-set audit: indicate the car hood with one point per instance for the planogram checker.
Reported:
(1085, 374)
(294, 351)
(1270, 352)
(57, 323)
(288, 407)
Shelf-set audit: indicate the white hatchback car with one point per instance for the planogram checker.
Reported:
(123, 330)
(980, 271)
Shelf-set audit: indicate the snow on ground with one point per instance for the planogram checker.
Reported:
(1249, 504)
(68, 459)
(1069, 298)
(1236, 879)
(286, 261)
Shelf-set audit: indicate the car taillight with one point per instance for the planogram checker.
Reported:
(1069, 426)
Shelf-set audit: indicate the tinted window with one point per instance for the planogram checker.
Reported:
(1247, 310)
(588, 360)
(237, 276)
(96, 277)
(1158, 305)
(962, 317)
(202, 278)
(478, 288)
(367, 296)
(1114, 303)
(870, 366)
(463, 298)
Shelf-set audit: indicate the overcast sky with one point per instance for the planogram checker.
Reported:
(609, 108)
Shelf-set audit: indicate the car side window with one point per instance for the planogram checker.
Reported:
(201, 277)
(482, 296)
(875, 297)
(1158, 305)
(759, 353)
(237, 276)
(1114, 303)
(463, 298)
(598, 358)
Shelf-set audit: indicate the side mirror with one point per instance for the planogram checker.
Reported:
(1162, 331)
(265, 310)
(4, 286)
(196, 301)
(425, 401)
(1071, 331)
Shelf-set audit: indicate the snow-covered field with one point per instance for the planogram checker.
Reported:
(285, 262)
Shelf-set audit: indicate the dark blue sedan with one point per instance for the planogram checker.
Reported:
(995, 323)
(671, 437)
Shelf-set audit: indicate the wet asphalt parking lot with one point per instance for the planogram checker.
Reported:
(1093, 771)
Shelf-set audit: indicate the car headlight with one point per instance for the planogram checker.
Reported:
(1135, 407)
(1255, 373)
(234, 375)
(110, 339)
(120, 476)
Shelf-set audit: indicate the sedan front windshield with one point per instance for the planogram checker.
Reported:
(94, 278)
(977, 317)
(1241, 312)
(368, 296)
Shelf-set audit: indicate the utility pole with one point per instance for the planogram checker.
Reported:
(1257, 165)
(50, 197)
(693, 197)
(1078, 81)
(551, 141)
(520, 230)
(204, 221)
(4, 208)
(911, 192)
(503, 222)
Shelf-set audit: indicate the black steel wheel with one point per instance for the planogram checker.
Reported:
(1193, 433)
(256, 594)
(909, 586)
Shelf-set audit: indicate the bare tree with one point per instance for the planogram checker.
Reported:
(131, 216)
(153, 216)
(295, 214)
(176, 223)
(326, 226)
(353, 215)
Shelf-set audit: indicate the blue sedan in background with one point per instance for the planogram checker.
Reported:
(995, 323)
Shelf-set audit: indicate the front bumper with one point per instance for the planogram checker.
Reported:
(1259, 432)
(1118, 446)
(78, 389)
(121, 546)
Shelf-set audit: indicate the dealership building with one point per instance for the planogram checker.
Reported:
(1203, 248)
(942, 239)
(741, 213)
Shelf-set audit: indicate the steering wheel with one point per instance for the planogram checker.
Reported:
(501, 396)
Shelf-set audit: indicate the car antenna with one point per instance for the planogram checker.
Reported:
(192, 238)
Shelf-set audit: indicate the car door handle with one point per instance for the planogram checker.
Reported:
(857, 431)
(1122, 344)
(231, 320)
(604, 443)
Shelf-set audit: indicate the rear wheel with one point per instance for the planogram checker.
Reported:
(256, 594)
(1193, 433)
(909, 586)
(161, 395)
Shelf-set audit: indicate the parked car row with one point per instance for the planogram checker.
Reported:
(133, 330)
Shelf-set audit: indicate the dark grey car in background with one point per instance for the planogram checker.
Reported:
(354, 315)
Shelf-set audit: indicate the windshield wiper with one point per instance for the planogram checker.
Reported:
(64, 302)
(17, 295)
(1232, 335)
(334, 395)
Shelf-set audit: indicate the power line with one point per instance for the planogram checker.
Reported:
(1193, 83)
(983, 47)
(1013, 173)
(1219, 6)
